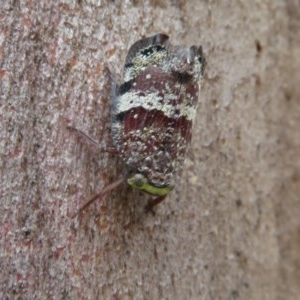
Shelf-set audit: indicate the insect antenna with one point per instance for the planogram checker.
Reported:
(110, 150)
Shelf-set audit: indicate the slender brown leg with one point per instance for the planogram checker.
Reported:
(149, 207)
(99, 195)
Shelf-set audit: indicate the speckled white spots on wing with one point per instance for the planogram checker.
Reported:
(151, 101)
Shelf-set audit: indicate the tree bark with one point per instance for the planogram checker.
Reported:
(229, 230)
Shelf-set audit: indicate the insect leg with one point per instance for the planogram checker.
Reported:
(102, 193)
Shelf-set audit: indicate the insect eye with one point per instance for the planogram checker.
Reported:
(138, 180)
(201, 58)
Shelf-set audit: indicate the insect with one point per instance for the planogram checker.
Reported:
(152, 112)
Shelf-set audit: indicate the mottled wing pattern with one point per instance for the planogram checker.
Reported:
(152, 113)
(155, 107)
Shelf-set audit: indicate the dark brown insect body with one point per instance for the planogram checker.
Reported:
(153, 111)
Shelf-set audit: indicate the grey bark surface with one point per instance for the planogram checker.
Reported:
(229, 230)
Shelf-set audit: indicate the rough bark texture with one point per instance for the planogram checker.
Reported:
(230, 229)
